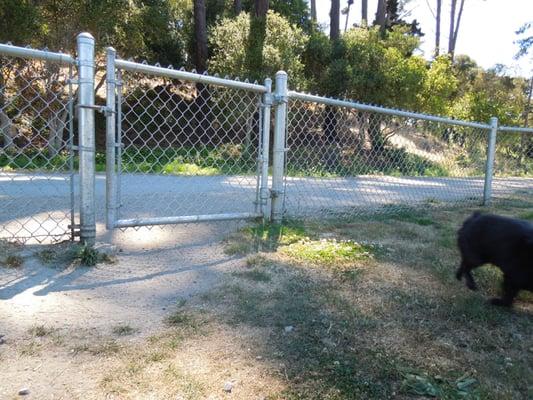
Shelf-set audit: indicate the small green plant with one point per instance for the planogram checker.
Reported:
(88, 255)
(40, 331)
(255, 275)
(13, 261)
(123, 330)
(47, 256)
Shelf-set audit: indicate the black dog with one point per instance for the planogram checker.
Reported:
(504, 242)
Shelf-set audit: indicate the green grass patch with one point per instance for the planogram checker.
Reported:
(12, 261)
(328, 251)
(123, 330)
(256, 275)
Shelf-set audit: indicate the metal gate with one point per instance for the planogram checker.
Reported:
(183, 147)
(37, 145)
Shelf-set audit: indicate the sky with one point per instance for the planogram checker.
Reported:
(486, 34)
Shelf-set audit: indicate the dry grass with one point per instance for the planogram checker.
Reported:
(369, 309)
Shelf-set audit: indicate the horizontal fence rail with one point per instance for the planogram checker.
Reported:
(26, 52)
(131, 66)
(382, 110)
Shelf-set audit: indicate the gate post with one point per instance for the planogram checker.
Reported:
(265, 143)
(278, 160)
(489, 169)
(111, 142)
(85, 47)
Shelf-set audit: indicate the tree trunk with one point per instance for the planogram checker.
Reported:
(9, 132)
(56, 125)
(452, 28)
(350, 2)
(201, 103)
(256, 40)
(200, 35)
(237, 7)
(437, 28)
(364, 13)
(526, 143)
(457, 24)
(381, 14)
(313, 10)
(334, 14)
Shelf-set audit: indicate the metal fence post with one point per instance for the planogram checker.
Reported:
(489, 170)
(278, 160)
(111, 142)
(85, 45)
(265, 142)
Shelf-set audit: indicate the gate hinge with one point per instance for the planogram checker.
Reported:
(75, 229)
(268, 99)
(275, 193)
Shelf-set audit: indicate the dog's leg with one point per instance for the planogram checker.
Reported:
(509, 293)
(466, 270)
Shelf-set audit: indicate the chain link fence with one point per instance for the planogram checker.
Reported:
(349, 158)
(184, 147)
(513, 162)
(36, 145)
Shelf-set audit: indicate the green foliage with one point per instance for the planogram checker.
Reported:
(19, 22)
(371, 69)
(282, 49)
(438, 87)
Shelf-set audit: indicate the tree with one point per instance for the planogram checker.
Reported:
(256, 38)
(237, 7)
(455, 21)
(364, 13)
(200, 35)
(526, 41)
(346, 11)
(334, 18)
(284, 45)
(437, 28)
(381, 16)
(313, 11)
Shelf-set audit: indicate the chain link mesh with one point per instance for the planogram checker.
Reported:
(341, 160)
(36, 160)
(187, 149)
(513, 163)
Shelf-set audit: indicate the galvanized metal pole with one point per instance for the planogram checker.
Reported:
(489, 170)
(111, 142)
(278, 160)
(265, 142)
(85, 44)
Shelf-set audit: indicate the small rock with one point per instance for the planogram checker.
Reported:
(106, 249)
(228, 387)
(2, 340)
(259, 358)
(531, 349)
(24, 391)
(289, 328)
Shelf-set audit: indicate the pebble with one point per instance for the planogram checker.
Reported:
(2, 340)
(228, 387)
(24, 391)
(289, 328)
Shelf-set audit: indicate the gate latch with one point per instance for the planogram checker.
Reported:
(107, 111)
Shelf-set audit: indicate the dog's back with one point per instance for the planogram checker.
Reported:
(502, 241)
